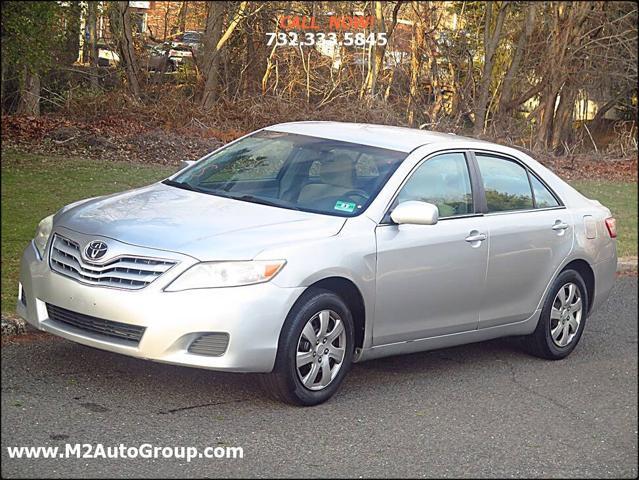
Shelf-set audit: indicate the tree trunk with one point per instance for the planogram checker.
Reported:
(417, 47)
(166, 20)
(601, 111)
(376, 63)
(3, 67)
(509, 79)
(562, 135)
(72, 34)
(436, 98)
(127, 51)
(210, 65)
(92, 50)
(492, 37)
(568, 31)
(182, 16)
(270, 66)
(546, 116)
(214, 40)
(29, 103)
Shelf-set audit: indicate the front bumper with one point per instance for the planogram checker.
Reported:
(252, 316)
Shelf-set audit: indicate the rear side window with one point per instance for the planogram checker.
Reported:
(506, 184)
(543, 197)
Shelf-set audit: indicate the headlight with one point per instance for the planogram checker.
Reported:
(226, 274)
(42, 234)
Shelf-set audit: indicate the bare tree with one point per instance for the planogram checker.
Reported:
(528, 26)
(569, 29)
(29, 103)
(492, 36)
(376, 59)
(417, 48)
(121, 28)
(182, 16)
(214, 40)
(92, 45)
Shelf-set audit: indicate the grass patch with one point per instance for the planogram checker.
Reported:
(621, 199)
(35, 186)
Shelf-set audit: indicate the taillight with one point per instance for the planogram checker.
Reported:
(611, 225)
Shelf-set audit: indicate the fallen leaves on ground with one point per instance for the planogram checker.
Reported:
(113, 137)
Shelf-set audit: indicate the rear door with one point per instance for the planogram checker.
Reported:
(531, 233)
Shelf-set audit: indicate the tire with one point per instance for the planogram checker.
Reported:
(294, 385)
(556, 336)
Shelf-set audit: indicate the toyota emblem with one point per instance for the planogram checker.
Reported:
(95, 250)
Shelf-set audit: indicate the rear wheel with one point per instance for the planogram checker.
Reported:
(315, 350)
(562, 319)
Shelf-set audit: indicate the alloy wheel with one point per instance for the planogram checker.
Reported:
(566, 314)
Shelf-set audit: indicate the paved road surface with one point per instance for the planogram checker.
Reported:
(479, 410)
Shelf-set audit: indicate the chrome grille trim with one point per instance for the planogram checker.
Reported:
(108, 328)
(128, 272)
(210, 344)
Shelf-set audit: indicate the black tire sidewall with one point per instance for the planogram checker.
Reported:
(565, 277)
(311, 303)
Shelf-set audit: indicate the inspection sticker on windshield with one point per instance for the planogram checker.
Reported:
(345, 206)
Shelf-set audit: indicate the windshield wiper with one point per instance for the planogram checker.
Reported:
(246, 198)
(264, 201)
(184, 186)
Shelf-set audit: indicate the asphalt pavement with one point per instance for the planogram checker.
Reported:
(482, 410)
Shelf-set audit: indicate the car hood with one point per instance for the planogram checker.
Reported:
(204, 226)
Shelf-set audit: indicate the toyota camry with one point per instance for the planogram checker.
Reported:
(304, 247)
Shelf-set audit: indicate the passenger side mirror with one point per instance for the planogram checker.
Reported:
(415, 213)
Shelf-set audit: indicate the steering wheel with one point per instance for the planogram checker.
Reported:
(357, 192)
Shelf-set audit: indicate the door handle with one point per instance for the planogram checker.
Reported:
(559, 225)
(476, 237)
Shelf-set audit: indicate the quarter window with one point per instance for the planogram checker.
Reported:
(506, 184)
(443, 181)
(543, 197)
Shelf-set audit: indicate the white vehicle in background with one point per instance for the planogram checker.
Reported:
(183, 46)
(107, 56)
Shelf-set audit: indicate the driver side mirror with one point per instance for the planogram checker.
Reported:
(415, 213)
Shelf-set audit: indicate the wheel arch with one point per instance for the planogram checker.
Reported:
(351, 294)
(583, 268)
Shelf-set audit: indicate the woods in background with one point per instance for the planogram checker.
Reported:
(549, 76)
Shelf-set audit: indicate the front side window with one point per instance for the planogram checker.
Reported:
(506, 184)
(444, 181)
(294, 171)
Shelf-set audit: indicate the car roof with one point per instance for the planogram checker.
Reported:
(383, 136)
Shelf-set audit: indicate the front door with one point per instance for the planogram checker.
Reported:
(430, 278)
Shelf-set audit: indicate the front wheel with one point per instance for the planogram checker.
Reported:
(315, 350)
(562, 318)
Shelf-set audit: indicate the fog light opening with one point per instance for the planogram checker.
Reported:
(21, 295)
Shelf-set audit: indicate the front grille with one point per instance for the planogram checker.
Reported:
(108, 328)
(124, 272)
(210, 344)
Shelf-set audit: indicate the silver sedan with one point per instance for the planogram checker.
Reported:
(304, 247)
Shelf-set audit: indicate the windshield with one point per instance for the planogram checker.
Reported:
(294, 171)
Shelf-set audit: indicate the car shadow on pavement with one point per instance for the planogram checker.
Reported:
(93, 371)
